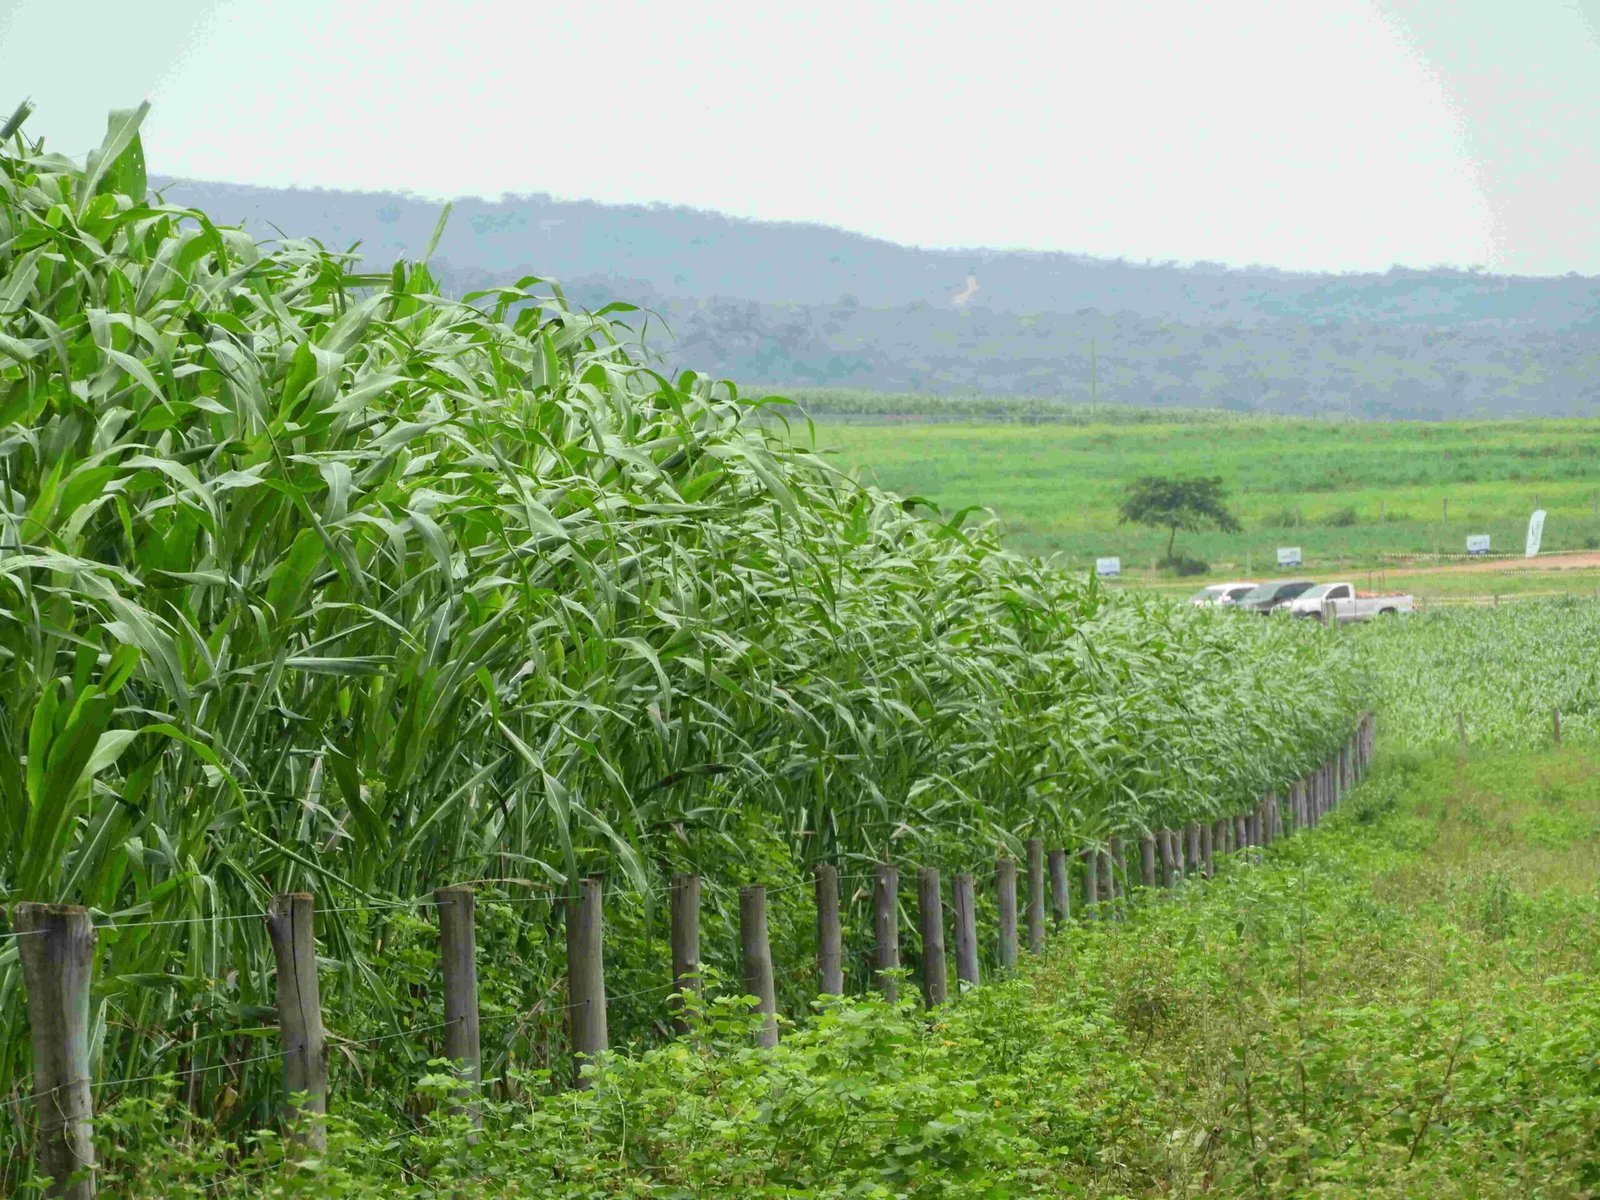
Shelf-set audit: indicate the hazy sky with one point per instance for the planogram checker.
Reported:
(1323, 134)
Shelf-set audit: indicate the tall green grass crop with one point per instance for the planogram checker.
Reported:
(1503, 669)
(315, 579)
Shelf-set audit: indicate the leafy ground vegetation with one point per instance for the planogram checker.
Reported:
(1400, 1003)
(316, 580)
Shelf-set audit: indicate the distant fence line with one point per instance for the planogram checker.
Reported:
(56, 944)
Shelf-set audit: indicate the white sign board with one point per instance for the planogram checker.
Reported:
(1535, 531)
(1108, 568)
(1477, 543)
(1288, 556)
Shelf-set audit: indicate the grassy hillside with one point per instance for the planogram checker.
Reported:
(1340, 490)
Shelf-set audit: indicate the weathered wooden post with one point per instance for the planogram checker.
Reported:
(965, 900)
(1006, 887)
(56, 945)
(1219, 835)
(1193, 863)
(1091, 881)
(930, 904)
(830, 936)
(1208, 848)
(1035, 915)
(1169, 865)
(291, 924)
(1060, 889)
(1555, 718)
(1147, 859)
(886, 928)
(458, 963)
(684, 920)
(757, 952)
(1112, 889)
(586, 975)
(1241, 833)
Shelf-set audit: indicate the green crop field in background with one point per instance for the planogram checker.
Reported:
(1345, 492)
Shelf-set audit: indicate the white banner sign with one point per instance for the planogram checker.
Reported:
(1288, 556)
(1477, 543)
(1108, 568)
(1535, 531)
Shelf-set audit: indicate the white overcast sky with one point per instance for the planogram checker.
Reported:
(1321, 134)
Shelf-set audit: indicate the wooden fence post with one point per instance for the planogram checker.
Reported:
(1035, 896)
(1147, 859)
(586, 976)
(930, 904)
(886, 928)
(757, 953)
(1005, 876)
(458, 963)
(964, 895)
(1112, 887)
(1091, 881)
(291, 923)
(1555, 717)
(56, 945)
(1169, 866)
(1241, 832)
(830, 935)
(1060, 891)
(684, 921)
(1208, 866)
(1191, 857)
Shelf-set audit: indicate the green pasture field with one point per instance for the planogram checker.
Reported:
(1345, 492)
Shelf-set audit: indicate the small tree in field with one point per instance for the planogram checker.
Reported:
(1172, 504)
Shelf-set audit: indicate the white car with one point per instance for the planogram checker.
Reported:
(1219, 594)
(1343, 603)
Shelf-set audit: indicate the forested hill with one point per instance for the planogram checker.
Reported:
(793, 304)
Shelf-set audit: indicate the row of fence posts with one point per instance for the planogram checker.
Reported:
(57, 946)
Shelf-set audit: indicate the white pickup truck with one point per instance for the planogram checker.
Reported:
(1342, 602)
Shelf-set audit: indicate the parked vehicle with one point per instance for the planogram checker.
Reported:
(1275, 593)
(1219, 594)
(1343, 603)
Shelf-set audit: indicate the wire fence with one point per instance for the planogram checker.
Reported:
(586, 997)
